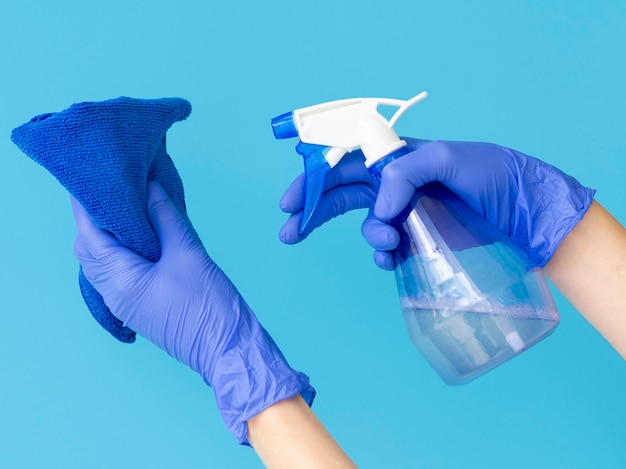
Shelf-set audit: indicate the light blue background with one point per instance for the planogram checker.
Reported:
(544, 77)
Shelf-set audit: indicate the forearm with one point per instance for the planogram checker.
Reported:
(288, 434)
(589, 268)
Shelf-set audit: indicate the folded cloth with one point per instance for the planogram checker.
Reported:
(104, 153)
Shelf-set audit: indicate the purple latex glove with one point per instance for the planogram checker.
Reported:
(533, 203)
(187, 306)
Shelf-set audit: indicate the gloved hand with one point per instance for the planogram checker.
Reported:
(187, 306)
(533, 203)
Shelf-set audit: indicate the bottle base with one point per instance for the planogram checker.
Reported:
(463, 345)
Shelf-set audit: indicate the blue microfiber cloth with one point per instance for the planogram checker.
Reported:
(104, 153)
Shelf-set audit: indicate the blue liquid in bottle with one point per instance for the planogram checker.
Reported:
(470, 298)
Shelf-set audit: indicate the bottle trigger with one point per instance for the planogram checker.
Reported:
(315, 169)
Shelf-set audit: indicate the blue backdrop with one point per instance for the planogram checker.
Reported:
(544, 77)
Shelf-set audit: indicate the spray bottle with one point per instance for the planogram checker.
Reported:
(470, 298)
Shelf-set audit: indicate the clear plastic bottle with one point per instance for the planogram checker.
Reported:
(470, 298)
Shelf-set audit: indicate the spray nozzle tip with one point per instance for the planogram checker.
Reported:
(284, 126)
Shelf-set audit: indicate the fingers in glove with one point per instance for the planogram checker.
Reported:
(378, 234)
(384, 260)
(106, 263)
(171, 228)
(90, 239)
(332, 204)
(350, 170)
(428, 163)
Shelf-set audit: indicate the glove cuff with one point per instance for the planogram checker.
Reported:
(549, 204)
(252, 374)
